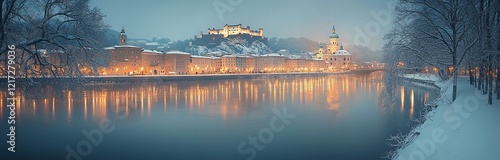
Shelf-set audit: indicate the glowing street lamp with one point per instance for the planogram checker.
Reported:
(451, 69)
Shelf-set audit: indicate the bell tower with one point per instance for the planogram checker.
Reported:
(320, 53)
(122, 38)
(333, 46)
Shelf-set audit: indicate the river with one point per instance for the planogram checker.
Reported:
(310, 117)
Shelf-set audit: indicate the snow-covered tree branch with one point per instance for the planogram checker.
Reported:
(53, 38)
(440, 34)
(66, 31)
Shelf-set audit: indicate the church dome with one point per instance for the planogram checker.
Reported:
(342, 51)
(334, 35)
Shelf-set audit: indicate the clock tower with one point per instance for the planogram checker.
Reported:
(122, 38)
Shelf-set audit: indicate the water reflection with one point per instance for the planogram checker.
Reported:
(402, 91)
(412, 103)
(227, 98)
(1, 103)
(334, 113)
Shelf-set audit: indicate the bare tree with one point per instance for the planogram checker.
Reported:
(53, 38)
(495, 15)
(67, 28)
(497, 23)
(438, 33)
(487, 59)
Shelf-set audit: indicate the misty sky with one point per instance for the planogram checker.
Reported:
(313, 19)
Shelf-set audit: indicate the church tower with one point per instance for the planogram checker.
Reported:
(122, 38)
(333, 46)
(320, 53)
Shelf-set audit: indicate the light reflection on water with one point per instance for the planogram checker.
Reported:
(227, 94)
(330, 102)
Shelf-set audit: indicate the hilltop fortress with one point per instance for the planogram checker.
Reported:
(215, 36)
(126, 59)
(232, 30)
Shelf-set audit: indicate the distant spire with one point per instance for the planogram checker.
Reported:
(333, 29)
(122, 38)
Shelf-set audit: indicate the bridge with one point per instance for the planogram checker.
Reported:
(366, 70)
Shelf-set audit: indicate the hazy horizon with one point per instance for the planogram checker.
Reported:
(310, 19)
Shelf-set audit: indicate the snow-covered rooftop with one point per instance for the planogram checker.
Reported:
(192, 56)
(293, 57)
(151, 51)
(121, 46)
(342, 53)
(177, 52)
(273, 55)
(152, 44)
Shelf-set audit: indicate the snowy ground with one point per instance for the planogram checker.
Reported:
(467, 129)
(430, 77)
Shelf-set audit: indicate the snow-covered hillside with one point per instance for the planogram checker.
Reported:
(233, 46)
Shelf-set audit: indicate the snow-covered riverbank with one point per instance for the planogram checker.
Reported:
(466, 129)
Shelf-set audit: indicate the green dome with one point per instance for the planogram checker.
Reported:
(334, 35)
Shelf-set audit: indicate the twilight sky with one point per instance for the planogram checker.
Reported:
(361, 22)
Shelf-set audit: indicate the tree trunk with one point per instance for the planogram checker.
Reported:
(497, 23)
(481, 46)
(490, 89)
(497, 83)
(471, 78)
(497, 17)
(454, 85)
(475, 78)
(455, 76)
(485, 80)
(489, 49)
(480, 85)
